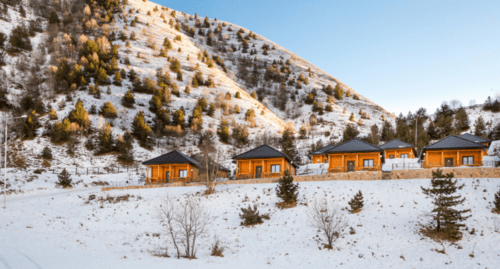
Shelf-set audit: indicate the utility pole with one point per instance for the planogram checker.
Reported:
(5, 169)
(416, 145)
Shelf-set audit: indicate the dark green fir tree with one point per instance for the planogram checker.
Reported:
(447, 220)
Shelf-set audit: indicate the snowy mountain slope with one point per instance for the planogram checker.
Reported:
(64, 230)
(142, 56)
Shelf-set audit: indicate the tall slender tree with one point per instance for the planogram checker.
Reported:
(446, 218)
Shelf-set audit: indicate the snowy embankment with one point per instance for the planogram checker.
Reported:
(65, 231)
(25, 182)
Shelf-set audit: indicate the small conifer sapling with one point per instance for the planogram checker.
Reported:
(356, 202)
(287, 191)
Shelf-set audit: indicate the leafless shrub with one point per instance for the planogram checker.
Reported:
(217, 249)
(328, 218)
(185, 222)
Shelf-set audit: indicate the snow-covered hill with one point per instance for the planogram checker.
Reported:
(280, 101)
(66, 230)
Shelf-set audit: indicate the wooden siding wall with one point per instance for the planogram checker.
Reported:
(158, 172)
(435, 158)
(321, 158)
(339, 160)
(397, 153)
(246, 168)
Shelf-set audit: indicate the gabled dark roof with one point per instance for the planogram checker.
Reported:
(354, 145)
(476, 139)
(263, 152)
(454, 142)
(198, 158)
(173, 157)
(396, 144)
(322, 150)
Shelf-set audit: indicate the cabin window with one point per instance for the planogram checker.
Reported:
(367, 163)
(183, 173)
(391, 156)
(404, 156)
(468, 160)
(276, 168)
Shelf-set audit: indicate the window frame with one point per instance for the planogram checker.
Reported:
(182, 172)
(404, 156)
(467, 158)
(391, 156)
(365, 161)
(273, 168)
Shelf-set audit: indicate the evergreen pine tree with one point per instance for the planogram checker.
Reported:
(47, 153)
(480, 127)
(253, 94)
(141, 130)
(30, 125)
(496, 202)
(118, 79)
(351, 118)
(387, 132)
(338, 91)
(22, 12)
(447, 219)
(128, 99)
(288, 144)
(105, 139)
(108, 111)
(64, 180)
(350, 132)
(211, 110)
(462, 120)
(286, 190)
(356, 202)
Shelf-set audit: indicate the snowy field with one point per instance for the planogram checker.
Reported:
(62, 230)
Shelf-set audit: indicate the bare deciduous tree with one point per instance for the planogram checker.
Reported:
(455, 104)
(328, 218)
(186, 222)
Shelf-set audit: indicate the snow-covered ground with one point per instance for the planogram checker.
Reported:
(63, 231)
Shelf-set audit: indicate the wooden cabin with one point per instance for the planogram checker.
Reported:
(319, 155)
(452, 151)
(171, 167)
(354, 155)
(398, 149)
(479, 140)
(263, 162)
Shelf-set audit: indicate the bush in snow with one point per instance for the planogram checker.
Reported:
(217, 249)
(327, 218)
(446, 220)
(496, 202)
(356, 202)
(64, 180)
(47, 153)
(287, 191)
(250, 216)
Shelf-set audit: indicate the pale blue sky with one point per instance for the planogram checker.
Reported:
(401, 55)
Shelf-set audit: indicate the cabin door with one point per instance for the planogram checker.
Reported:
(258, 171)
(167, 176)
(350, 166)
(448, 162)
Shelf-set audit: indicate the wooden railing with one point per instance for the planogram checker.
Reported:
(343, 169)
(253, 175)
(458, 164)
(154, 180)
